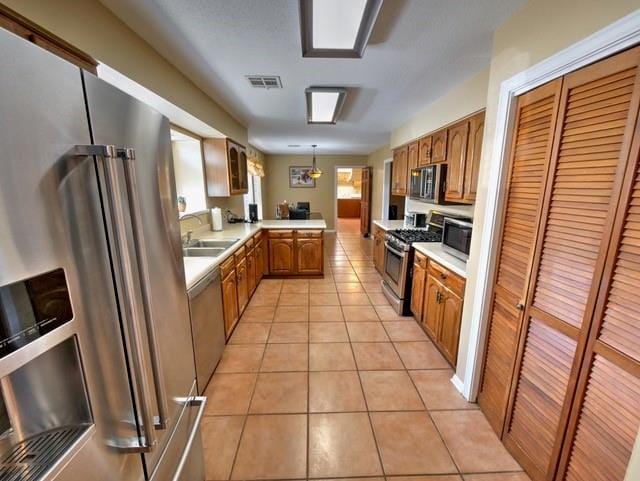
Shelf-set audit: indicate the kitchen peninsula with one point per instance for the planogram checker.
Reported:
(279, 248)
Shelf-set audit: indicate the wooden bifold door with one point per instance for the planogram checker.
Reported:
(561, 380)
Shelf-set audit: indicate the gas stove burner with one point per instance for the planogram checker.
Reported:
(417, 235)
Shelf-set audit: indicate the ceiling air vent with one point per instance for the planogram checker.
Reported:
(265, 81)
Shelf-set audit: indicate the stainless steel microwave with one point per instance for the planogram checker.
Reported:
(428, 183)
(456, 237)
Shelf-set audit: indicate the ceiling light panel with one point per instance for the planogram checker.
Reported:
(337, 28)
(336, 23)
(324, 104)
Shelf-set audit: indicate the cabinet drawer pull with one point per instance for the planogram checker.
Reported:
(443, 276)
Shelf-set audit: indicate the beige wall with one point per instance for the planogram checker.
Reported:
(462, 100)
(91, 27)
(375, 160)
(322, 197)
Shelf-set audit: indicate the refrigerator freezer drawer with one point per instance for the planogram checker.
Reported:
(183, 458)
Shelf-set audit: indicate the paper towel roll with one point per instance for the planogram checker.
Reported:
(216, 219)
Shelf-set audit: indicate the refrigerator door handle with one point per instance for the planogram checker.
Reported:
(128, 155)
(201, 402)
(108, 155)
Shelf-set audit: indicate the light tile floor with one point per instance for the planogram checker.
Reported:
(339, 386)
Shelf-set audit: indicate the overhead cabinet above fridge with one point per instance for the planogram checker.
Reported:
(97, 371)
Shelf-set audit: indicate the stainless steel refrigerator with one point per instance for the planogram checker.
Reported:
(97, 377)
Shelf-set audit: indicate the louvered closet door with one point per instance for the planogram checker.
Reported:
(606, 416)
(591, 147)
(529, 159)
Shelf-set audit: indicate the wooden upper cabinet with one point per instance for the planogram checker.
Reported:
(456, 161)
(225, 167)
(439, 146)
(474, 153)
(400, 176)
(424, 151)
(412, 158)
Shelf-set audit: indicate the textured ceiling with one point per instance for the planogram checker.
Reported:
(419, 49)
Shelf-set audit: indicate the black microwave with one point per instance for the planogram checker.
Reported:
(428, 183)
(456, 237)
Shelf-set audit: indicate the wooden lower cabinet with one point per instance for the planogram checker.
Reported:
(431, 307)
(296, 252)
(441, 306)
(281, 256)
(230, 302)
(450, 317)
(243, 285)
(378, 248)
(309, 256)
(419, 279)
(251, 271)
(259, 261)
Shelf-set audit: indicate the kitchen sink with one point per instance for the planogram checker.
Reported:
(202, 251)
(221, 244)
(207, 248)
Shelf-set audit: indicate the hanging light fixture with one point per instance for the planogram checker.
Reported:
(314, 173)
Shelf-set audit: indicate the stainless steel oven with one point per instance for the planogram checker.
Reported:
(396, 264)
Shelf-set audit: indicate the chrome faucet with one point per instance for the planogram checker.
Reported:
(187, 238)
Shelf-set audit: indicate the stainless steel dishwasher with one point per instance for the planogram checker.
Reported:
(207, 326)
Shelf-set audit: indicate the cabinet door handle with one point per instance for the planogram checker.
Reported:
(520, 306)
(443, 276)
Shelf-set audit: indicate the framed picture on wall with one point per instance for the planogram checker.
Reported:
(299, 177)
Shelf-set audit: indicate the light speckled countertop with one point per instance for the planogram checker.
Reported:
(434, 251)
(389, 224)
(195, 268)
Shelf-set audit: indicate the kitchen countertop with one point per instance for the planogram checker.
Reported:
(389, 224)
(434, 251)
(195, 268)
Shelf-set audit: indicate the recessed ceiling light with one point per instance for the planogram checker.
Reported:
(337, 28)
(324, 104)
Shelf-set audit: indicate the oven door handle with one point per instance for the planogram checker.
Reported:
(396, 252)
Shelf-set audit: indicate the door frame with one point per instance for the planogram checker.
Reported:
(620, 35)
(335, 189)
(386, 188)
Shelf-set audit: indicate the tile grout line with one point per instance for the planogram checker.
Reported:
(244, 424)
(366, 404)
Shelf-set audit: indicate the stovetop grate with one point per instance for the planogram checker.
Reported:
(31, 458)
(417, 235)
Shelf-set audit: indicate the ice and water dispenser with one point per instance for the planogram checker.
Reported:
(44, 407)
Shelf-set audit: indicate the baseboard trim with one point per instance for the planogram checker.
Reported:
(458, 384)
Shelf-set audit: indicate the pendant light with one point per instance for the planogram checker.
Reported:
(314, 173)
